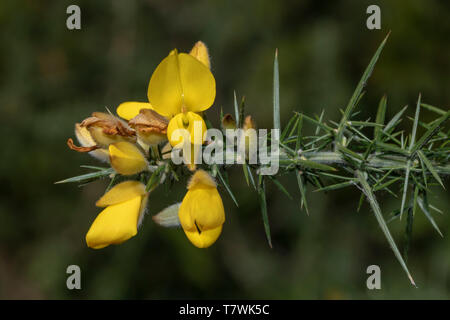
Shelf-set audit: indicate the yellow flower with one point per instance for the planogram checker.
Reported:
(126, 158)
(201, 213)
(130, 109)
(182, 86)
(125, 204)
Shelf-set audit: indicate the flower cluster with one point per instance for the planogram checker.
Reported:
(180, 89)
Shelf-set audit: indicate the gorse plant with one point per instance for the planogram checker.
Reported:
(373, 156)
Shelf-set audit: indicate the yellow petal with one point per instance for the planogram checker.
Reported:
(164, 90)
(181, 81)
(202, 206)
(126, 158)
(129, 110)
(200, 51)
(121, 192)
(205, 238)
(115, 224)
(198, 83)
(189, 121)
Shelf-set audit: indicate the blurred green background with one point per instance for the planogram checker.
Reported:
(51, 77)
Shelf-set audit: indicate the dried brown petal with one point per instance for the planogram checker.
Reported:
(72, 146)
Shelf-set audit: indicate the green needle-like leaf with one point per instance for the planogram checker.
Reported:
(408, 233)
(393, 122)
(381, 115)
(356, 94)
(93, 167)
(227, 187)
(433, 108)
(298, 142)
(430, 167)
(301, 186)
(416, 121)
(280, 186)
(385, 185)
(405, 187)
(88, 176)
(293, 120)
(244, 168)
(423, 204)
(314, 165)
(336, 186)
(236, 109)
(379, 216)
(430, 132)
(263, 204)
(241, 113)
(276, 93)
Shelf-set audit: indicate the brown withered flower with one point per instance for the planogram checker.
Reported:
(87, 144)
(106, 129)
(150, 126)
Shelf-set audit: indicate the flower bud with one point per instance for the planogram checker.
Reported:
(200, 51)
(250, 137)
(168, 217)
(228, 122)
(248, 123)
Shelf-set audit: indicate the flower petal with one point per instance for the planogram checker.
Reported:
(164, 90)
(130, 109)
(121, 192)
(126, 158)
(204, 239)
(115, 224)
(202, 205)
(189, 121)
(180, 80)
(198, 83)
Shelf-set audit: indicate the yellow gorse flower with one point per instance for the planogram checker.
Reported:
(125, 204)
(201, 213)
(180, 87)
(172, 91)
